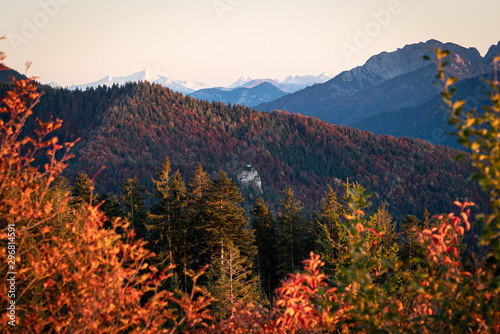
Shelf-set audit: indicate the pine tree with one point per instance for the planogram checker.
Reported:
(198, 187)
(160, 224)
(332, 244)
(59, 194)
(232, 281)
(169, 221)
(178, 217)
(266, 236)
(295, 238)
(83, 192)
(408, 249)
(110, 206)
(223, 219)
(387, 247)
(382, 222)
(135, 211)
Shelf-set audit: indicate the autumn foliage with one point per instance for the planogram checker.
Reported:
(78, 272)
(74, 275)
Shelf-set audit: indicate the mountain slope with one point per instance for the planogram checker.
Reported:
(428, 120)
(318, 100)
(131, 129)
(6, 73)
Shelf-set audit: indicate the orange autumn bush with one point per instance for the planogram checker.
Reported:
(74, 276)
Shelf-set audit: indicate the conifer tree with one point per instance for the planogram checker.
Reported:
(408, 240)
(83, 192)
(332, 245)
(160, 217)
(224, 220)
(59, 195)
(135, 211)
(110, 206)
(265, 227)
(294, 235)
(198, 187)
(169, 221)
(386, 249)
(232, 281)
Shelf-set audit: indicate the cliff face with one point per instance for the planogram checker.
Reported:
(250, 178)
(389, 65)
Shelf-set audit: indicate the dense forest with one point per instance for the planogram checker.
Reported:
(132, 129)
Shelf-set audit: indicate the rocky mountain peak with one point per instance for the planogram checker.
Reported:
(389, 65)
(493, 51)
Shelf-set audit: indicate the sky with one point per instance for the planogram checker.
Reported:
(217, 41)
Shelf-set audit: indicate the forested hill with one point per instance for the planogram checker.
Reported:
(131, 129)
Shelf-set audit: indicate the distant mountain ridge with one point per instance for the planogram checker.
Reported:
(251, 92)
(387, 81)
(289, 85)
(250, 97)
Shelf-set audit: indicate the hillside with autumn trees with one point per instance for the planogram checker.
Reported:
(132, 129)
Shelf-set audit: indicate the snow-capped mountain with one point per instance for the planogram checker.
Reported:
(240, 82)
(182, 86)
(291, 83)
(54, 84)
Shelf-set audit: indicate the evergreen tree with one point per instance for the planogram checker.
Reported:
(110, 206)
(232, 281)
(59, 195)
(382, 222)
(135, 211)
(198, 187)
(83, 192)
(408, 249)
(223, 220)
(160, 224)
(266, 237)
(295, 238)
(387, 247)
(178, 220)
(332, 244)
(169, 221)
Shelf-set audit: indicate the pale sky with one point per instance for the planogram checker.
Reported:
(217, 41)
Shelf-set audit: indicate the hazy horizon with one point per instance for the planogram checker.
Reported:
(217, 41)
